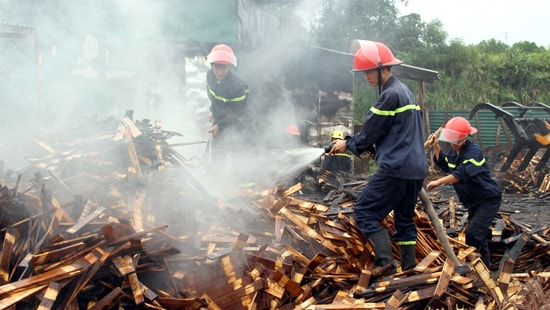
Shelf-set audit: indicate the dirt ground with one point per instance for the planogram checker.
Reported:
(527, 208)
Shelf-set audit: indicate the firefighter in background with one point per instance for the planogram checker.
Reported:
(394, 126)
(337, 163)
(471, 179)
(228, 96)
(293, 150)
(294, 140)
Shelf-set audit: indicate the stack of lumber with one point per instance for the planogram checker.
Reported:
(84, 230)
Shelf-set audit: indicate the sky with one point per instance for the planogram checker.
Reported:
(473, 21)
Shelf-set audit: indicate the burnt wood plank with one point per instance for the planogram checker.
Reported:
(45, 257)
(191, 303)
(496, 233)
(50, 295)
(12, 298)
(108, 299)
(489, 282)
(505, 276)
(90, 217)
(395, 300)
(309, 231)
(58, 274)
(427, 261)
(6, 255)
(420, 294)
(90, 271)
(444, 279)
(137, 290)
(239, 293)
(212, 305)
(284, 281)
(367, 305)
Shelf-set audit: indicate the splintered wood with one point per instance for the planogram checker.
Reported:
(97, 239)
(321, 262)
(527, 180)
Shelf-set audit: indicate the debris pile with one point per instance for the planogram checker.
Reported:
(528, 180)
(91, 230)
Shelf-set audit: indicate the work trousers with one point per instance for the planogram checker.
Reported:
(381, 195)
(480, 217)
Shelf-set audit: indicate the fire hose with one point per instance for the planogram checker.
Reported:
(441, 233)
(434, 219)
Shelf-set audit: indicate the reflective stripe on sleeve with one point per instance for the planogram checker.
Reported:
(471, 160)
(396, 111)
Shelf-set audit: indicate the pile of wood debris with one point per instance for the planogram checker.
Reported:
(85, 229)
(528, 180)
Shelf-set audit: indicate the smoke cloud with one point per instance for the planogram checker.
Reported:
(76, 62)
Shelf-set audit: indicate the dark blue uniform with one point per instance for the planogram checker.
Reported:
(338, 163)
(477, 191)
(229, 107)
(394, 126)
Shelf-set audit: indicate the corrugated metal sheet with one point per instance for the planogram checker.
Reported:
(485, 121)
(492, 131)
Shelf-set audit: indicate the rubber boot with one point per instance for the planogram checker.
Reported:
(383, 263)
(486, 258)
(485, 255)
(407, 255)
(382, 248)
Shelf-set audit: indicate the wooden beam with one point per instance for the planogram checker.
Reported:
(489, 282)
(444, 279)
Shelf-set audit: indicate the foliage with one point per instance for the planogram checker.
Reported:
(490, 71)
(343, 21)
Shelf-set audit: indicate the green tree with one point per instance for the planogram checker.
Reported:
(492, 46)
(490, 71)
(527, 47)
(343, 21)
(408, 34)
(434, 35)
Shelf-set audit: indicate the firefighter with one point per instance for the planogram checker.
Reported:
(228, 96)
(337, 163)
(394, 126)
(471, 179)
(294, 149)
(294, 140)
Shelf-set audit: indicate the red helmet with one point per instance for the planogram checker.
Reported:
(456, 130)
(222, 54)
(372, 55)
(292, 130)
